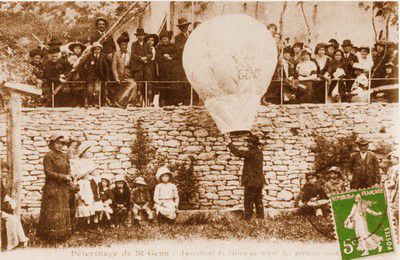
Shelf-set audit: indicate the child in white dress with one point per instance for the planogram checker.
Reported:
(166, 197)
(82, 168)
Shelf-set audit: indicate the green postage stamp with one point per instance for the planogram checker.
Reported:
(363, 223)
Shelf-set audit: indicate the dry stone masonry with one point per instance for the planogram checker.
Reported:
(180, 132)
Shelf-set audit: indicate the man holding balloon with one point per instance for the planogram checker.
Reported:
(253, 178)
(230, 61)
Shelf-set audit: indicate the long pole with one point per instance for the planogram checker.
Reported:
(14, 147)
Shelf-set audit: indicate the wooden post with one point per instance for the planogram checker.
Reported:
(14, 147)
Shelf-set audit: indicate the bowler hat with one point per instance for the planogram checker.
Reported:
(154, 36)
(140, 32)
(53, 49)
(55, 42)
(362, 141)
(74, 44)
(165, 33)
(347, 42)
(36, 52)
(182, 21)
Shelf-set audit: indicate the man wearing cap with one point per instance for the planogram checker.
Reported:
(364, 167)
(101, 25)
(97, 71)
(54, 70)
(253, 178)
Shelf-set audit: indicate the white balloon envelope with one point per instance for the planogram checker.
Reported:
(230, 61)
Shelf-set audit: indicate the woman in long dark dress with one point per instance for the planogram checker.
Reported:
(55, 218)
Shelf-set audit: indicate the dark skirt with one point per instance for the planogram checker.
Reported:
(55, 213)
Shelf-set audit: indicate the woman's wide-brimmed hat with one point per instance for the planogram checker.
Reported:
(97, 45)
(101, 18)
(83, 147)
(140, 180)
(307, 50)
(36, 52)
(319, 46)
(161, 171)
(119, 177)
(380, 43)
(362, 47)
(72, 45)
(140, 32)
(56, 136)
(165, 33)
(107, 176)
(154, 36)
(182, 22)
(347, 42)
(124, 37)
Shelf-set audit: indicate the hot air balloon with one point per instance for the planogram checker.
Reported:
(230, 60)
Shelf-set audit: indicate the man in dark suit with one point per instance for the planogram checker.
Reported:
(141, 55)
(253, 178)
(101, 26)
(349, 58)
(365, 167)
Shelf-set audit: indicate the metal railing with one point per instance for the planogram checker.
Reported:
(151, 85)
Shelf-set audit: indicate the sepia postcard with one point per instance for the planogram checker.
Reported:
(199, 130)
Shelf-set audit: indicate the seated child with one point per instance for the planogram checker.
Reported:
(335, 184)
(166, 197)
(312, 197)
(121, 202)
(106, 196)
(14, 230)
(359, 90)
(140, 200)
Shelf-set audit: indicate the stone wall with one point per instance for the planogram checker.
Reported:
(176, 133)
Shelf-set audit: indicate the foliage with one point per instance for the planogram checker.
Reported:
(337, 152)
(186, 182)
(142, 155)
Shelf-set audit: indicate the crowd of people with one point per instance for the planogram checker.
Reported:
(345, 68)
(365, 173)
(117, 74)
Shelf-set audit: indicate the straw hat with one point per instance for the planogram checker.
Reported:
(161, 171)
(55, 136)
(119, 177)
(84, 146)
(97, 44)
(140, 180)
(107, 176)
(334, 169)
(72, 45)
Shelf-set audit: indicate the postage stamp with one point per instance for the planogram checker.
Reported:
(363, 224)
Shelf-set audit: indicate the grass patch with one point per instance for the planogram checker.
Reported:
(291, 226)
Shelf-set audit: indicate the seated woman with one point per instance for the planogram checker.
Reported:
(14, 230)
(307, 72)
(313, 199)
(337, 71)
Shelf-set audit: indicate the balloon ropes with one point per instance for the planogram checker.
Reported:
(230, 61)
